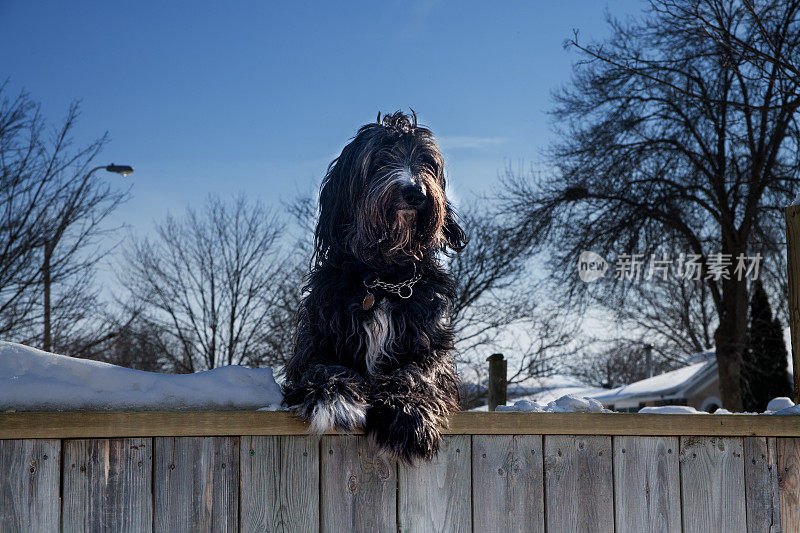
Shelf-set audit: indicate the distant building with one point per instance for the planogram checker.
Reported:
(695, 385)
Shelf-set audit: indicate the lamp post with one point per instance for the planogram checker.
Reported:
(50, 245)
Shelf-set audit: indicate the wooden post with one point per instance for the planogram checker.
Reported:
(793, 264)
(498, 367)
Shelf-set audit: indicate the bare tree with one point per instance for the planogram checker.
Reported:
(126, 339)
(677, 315)
(499, 307)
(53, 211)
(617, 363)
(212, 281)
(678, 133)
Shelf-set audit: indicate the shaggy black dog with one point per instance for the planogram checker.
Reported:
(374, 336)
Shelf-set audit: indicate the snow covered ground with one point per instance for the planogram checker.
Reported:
(33, 380)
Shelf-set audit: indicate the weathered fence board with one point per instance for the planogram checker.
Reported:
(761, 484)
(196, 485)
(280, 483)
(234, 423)
(712, 484)
(789, 483)
(107, 485)
(578, 483)
(436, 496)
(479, 482)
(647, 484)
(358, 486)
(507, 483)
(29, 485)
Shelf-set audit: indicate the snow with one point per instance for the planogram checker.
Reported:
(780, 403)
(530, 385)
(776, 406)
(33, 380)
(793, 410)
(546, 389)
(574, 404)
(529, 406)
(570, 403)
(671, 410)
(662, 384)
(782, 406)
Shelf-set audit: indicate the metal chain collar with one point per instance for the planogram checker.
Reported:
(404, 289)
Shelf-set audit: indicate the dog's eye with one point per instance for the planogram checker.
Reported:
(429, 162)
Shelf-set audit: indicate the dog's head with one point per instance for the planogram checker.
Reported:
(383, 199)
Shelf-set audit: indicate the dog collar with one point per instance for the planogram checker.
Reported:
(404, 289)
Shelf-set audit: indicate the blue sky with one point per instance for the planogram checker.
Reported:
(258, 97)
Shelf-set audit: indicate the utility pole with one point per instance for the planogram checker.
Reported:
(47, 339)
(50, 245)
(648, 360)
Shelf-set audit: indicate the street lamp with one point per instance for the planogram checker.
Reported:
(122, 170)
(50, 244)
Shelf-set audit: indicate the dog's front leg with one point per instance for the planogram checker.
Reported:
(406, 409)
(329, 397)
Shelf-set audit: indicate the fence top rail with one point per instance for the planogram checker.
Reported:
(65, 425)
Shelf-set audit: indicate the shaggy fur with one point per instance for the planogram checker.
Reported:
(384, 213)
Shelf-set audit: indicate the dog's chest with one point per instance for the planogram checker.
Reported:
(379, 333)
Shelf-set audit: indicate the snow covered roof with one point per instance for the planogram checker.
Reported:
(666, 385)
(548, 389)
(33, 380)
(530, 385)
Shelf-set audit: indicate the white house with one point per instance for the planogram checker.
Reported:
(695, 385)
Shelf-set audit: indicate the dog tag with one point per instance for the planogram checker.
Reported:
(368, 302)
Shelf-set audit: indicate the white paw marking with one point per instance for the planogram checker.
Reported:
(325, 415)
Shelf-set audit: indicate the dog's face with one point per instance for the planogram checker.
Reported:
(383, 199)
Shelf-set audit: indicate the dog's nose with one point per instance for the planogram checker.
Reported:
(413, 195)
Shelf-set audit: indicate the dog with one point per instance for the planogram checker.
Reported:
(374, 338)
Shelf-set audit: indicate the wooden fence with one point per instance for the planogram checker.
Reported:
(500, 472)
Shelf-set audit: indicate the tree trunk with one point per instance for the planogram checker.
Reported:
(730, 339)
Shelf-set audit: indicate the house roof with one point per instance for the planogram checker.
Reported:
(677, 383)
(546, 389)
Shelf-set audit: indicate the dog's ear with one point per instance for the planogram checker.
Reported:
(331, 225)
(455, 236)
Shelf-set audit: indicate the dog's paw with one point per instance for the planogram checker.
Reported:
(409, 434)
(328, 397)
(339, 414)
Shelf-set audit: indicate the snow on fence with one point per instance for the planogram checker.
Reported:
(500, 471)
